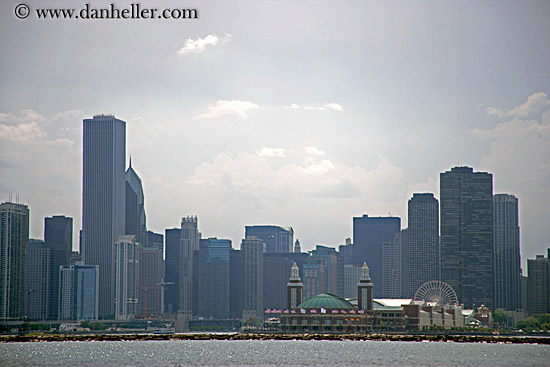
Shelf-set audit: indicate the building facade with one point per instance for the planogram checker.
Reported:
(467, 256)
(276, 239)
(103, 200)
(538, 285)
(253, 251)
(14, 235)
(37, 280)
(507, 252)
(150, 285)
(126, 279)
(135, 220)
(172, 238)
(369, 234)
(423, 263)
(214, 278)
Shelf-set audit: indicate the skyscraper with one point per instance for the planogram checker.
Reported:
(135, 207)
(103, 200)
(78, 292)
(151, 274)
(391, 268)
(369, 233)
(14, 235)
(190, 238)
(538, 285)
(126, 264)
(37, 280)
(422, 241)
(276, 239)
(213, 282)
(172, 269)
(253, 250)
(507, 255)
(58, 238)
(467, 235)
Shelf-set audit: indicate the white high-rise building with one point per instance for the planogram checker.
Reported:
(103, 200)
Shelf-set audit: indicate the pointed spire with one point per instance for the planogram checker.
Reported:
(130, 161)
(295, 273)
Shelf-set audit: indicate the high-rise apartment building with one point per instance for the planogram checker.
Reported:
(422, 241)
(78, 292)
(58, 238)
(507, 254)
(135, 207)
(126, 279)
(276, 239)
(14, 235)
(103, 200)
(391, 268)
(538, 285)
(467, 256)
(369, 234)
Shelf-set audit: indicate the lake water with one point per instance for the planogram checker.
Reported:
(271, 353)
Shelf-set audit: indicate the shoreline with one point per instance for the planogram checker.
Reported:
(243, 336)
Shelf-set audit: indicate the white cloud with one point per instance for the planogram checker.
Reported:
(228, 108)
(313, 151)
(535, 104)
(21, 132)
(326, 107)
(272, 152)
(319, 168)
(199, 45)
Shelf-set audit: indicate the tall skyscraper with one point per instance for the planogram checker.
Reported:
(135, 207)
(334, 274)
(126, 264)
(467, 235)
(422, 241)
(172, 269)
(369, 233)
(253, 250)
(58, 238)
(103, 200)
(538, 285)
(276, 239)
(276, 270)
(213, 279)
(37, 280)
(14, 235)
(155, 240)
(507, 255)
(151, 274)
(78, 292)
(391, 268)
(190, 238)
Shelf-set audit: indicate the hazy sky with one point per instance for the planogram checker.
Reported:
(301, 113)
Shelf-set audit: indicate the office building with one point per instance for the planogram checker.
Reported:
(236, 283)
(369, 234)
(155, 240)
(135, 207)
(352, 274)
(213, 282)
(334, 270)
(126, 280)
(422, 241)
(79, 292)
(37, 280)
(14, 235)
(150, 287)
(507, 255)
(391, 268)
(538, 285)
(58, 238)
(190, 238)
(315, 279)
(467, 235)
(276, 272)
(253, 251)
(172, 269)
(103, 200)
(276, 239)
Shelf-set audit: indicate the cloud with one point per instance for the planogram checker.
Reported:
(229, 108)
(199, 45)
(313, 151)
(22, 132)
(272, 152)
(326, 107)
(535, 104)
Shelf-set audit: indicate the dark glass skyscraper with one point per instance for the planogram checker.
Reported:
(172, 269)
(423, 241)
(369, 235)
(214, 278)
(58, 238)
(103, 200)
(135, 207)
(467, 235)
(507, 256)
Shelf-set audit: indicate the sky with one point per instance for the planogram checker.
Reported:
(299, 113)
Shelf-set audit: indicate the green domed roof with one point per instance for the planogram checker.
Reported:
(325, 300)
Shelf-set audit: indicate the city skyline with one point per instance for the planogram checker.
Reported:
(302, 116)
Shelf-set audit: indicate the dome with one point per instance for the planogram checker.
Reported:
(326, 300)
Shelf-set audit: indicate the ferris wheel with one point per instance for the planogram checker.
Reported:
(436, 291)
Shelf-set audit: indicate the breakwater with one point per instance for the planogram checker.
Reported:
(247, 336)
